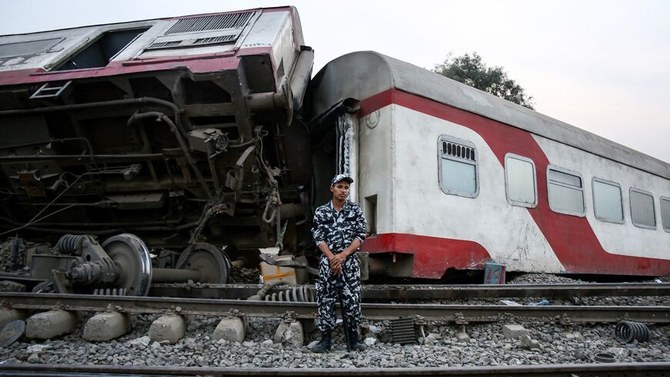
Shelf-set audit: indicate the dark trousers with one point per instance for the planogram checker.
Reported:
(326, 294)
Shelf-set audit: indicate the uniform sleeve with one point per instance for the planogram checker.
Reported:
(361, 224)
(318, 230)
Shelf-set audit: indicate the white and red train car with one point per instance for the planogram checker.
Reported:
(451, 177)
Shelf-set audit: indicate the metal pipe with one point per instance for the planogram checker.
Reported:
(351, 137)
(266, 101)
(166, 228)
(165, 223)
(124, 102)
(136, 156)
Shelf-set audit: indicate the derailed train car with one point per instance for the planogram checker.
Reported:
(452, 178)
(135, 152)
(161, 150)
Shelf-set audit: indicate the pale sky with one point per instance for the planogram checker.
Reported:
(601, 65)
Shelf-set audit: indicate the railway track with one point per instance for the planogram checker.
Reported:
(550, 327)
(431, 292)
(556, 370)
(307, 310)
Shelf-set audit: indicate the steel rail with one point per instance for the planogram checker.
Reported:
(306, 310)
(650, 369)
(432, 292)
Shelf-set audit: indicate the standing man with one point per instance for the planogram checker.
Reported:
(339, 230)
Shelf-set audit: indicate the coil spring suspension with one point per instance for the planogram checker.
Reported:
(627, 331)
(294, 294)
(291, 294)
(110, 292)
(70, 243)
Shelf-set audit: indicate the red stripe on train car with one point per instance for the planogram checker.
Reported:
(207, 63)
(572, 238)
(432, 255)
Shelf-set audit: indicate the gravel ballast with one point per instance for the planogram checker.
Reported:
(440, 345)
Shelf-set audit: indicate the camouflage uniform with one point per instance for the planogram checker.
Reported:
(338, 231)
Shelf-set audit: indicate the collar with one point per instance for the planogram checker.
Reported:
(344, 206)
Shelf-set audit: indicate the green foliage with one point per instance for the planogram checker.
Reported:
(470, 70)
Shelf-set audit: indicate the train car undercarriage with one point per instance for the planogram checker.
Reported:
(115, 182)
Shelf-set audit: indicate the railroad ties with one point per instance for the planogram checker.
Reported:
(56, 312)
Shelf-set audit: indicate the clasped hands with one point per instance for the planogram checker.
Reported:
(336, 263)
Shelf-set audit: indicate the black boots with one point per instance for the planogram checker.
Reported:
(324, 344)
(354, 343)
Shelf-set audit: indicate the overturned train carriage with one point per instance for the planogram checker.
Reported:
(139, 151)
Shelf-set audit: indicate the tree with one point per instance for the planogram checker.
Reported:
(470, 70)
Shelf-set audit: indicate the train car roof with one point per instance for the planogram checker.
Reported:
(159, 43)
(363, 74)
(165, 18)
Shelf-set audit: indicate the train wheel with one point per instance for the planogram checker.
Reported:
(212, 262)
(132, 258)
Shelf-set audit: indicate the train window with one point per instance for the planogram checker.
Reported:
(27, 48)
(101, 51)
(607, 201)
(520, 183)
(665, 213)
(457, 167)
(566, 192)
(642, 209)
